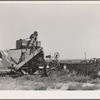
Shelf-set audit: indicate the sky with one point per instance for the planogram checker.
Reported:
(68, 28)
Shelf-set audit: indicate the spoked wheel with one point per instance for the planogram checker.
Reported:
(52, 66)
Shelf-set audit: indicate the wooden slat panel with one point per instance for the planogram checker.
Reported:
(29, 58)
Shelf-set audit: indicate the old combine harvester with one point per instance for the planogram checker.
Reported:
(26, 58)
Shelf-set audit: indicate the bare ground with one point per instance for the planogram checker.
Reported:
(56, 81)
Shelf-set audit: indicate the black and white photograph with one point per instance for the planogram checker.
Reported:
(49, 46)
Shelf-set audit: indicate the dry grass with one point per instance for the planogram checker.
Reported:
(60, 80)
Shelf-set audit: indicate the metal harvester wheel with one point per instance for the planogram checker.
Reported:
(52, 66)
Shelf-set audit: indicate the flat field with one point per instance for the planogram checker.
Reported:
(57, 81)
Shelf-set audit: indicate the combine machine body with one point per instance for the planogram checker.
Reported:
(26, 58)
